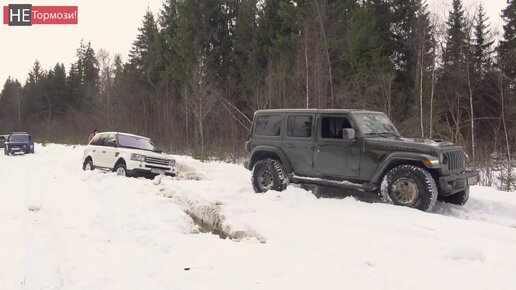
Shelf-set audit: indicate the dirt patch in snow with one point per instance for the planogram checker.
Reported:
(208, 216)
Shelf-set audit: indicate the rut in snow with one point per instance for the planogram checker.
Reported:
(209, 216)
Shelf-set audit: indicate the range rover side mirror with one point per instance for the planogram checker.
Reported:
(348, 134)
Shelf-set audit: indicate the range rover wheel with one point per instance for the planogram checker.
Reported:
(120, 169)
(459, 198)
(411, 186)
(268, 174)
(88, 165)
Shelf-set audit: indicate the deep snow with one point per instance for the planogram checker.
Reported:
(63, 228)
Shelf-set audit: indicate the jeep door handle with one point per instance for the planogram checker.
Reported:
(290, 145)
(103, 151)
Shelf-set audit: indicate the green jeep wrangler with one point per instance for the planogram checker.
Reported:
(355, 149)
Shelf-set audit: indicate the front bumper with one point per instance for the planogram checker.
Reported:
(148, 173)
(451, 184)
(146, 169)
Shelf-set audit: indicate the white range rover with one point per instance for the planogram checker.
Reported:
(127, 155)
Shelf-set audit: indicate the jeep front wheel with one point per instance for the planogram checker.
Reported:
(268, 174)
(411, 186)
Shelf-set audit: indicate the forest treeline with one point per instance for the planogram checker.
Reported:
(198, 70)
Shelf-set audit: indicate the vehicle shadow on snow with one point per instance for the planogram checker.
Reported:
(341, 193)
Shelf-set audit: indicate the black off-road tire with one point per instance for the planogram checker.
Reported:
(121, 169)
(409, 176)
(274, 172)
(459, 198)
(86, 162)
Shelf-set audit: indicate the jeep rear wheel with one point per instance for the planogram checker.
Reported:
(459, 198)
(411, 186)
(268, 174)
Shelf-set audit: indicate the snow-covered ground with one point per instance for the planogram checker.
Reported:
(63, 228)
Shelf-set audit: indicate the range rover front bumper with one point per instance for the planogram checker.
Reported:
(451, 184)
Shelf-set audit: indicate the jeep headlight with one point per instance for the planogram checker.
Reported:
(138, 157)
(171, 162)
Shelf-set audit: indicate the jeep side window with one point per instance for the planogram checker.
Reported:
(331, 127)
(299, 126)
(268, 125)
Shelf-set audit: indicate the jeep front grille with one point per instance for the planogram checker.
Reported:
(157, 161)
(455, 161)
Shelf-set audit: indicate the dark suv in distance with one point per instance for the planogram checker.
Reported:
(355, 149)
(19, 142)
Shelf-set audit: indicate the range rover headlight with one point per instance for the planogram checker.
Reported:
(138, 157)
(171, 162)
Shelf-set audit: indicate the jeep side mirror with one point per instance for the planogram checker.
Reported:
(348, 134)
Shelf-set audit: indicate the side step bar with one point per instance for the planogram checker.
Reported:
(336, 183)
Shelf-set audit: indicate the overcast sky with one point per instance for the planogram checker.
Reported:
(112, 25)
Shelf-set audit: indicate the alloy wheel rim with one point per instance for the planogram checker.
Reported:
(265, 180)
(120, 171)
(405, 191)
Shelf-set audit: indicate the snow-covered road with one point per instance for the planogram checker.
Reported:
(63, 228)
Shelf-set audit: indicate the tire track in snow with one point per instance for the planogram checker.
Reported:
(42, 259)
(208, 215)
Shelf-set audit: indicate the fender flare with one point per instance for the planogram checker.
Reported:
(264, 151)
(398, 158)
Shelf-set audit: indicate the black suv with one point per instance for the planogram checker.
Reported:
(19, 142)
(355, 149)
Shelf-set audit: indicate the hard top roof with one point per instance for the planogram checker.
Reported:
(122, 133)
(315, 111)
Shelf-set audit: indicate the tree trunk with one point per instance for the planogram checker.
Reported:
(327, 53)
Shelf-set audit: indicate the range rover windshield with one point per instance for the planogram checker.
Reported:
(19, 138)
(376, 124)
(135, 142)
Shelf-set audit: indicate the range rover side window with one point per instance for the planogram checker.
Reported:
(99, 140)
(299, 126)
(110, 140)
(331, 127)
(268, 125)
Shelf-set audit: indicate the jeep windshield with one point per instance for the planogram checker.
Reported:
(135, 142)
(376, 125)
(19, 138)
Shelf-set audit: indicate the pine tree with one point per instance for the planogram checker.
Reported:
(456, 39)
(11, 105)
(143, 54)
(481, 47)
(507, 46)
(245, 71)
(88, 68)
